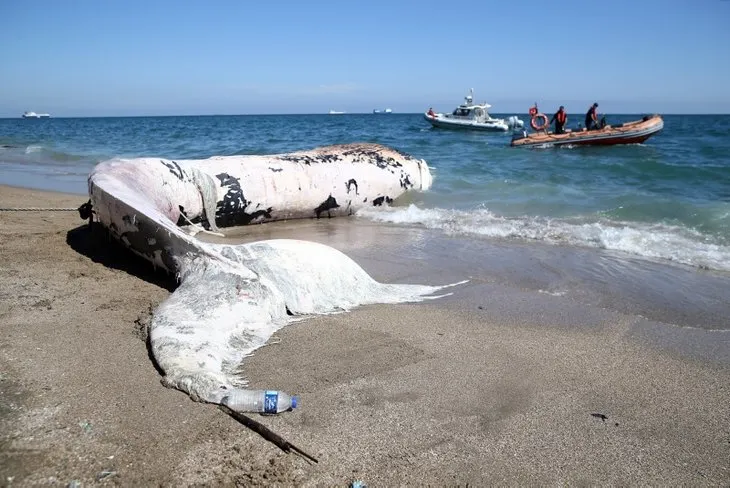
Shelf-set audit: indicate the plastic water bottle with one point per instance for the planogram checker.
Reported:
(261, 401)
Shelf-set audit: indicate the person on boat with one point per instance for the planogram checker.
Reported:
(560, 118)
(431, 113)
(592, 118)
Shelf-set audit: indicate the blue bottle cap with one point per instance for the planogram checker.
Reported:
(293, 402)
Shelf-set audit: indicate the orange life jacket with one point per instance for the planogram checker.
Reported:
(561, 117)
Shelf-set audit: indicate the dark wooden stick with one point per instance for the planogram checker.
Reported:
(267, 433)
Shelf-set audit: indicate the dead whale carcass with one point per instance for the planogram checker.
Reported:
(227, 191)
(232, 298)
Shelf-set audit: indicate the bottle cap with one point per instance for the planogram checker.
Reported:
(293, 402)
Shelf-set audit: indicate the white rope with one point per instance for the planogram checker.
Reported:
(200, 228)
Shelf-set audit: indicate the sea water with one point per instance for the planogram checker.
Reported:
(642, 228)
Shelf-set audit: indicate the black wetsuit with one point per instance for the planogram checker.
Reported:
(559, 124)
(590, 124)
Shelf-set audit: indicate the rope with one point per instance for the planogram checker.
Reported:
(38, 209)
(199, 228)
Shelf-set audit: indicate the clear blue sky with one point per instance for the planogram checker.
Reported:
(160, 57)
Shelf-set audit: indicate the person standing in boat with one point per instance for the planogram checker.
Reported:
(560, 118)
(592, 118)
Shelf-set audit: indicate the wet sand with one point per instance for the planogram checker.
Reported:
(496, 384)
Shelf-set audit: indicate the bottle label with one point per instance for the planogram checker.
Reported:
(271, 399)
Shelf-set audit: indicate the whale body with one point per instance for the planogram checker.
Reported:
(232, 298)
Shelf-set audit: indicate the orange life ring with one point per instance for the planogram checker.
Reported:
(542, 126)
(533, 111)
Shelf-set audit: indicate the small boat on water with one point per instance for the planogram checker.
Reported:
(335, 112)
(386, 111)
(472, 116)
(33, 115)
(634, 132)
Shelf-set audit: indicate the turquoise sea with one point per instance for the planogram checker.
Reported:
(643, 226)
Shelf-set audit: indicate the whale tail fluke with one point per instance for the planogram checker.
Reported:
(227, 307)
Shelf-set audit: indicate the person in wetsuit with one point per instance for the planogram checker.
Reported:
(560, 118)
(592, 118)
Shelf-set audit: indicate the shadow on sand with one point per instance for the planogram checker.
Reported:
(94, 242)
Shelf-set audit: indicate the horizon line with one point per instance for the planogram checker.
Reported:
(316, 113)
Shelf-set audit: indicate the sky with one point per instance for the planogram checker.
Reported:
(184, 57)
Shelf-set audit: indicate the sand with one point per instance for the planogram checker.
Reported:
(493, 385)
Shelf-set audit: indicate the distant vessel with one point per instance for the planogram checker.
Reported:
(33, 115)
(386, 111)
(335, 112)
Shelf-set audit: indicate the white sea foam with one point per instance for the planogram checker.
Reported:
(656, 241)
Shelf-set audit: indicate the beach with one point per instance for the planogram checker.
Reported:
(506, 381)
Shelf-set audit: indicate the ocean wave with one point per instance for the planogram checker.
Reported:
(654, 241)
(38, 154)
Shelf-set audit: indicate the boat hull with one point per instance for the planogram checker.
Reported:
(635, 132)
(444, 123)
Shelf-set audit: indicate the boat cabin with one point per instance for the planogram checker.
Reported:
(471, 111)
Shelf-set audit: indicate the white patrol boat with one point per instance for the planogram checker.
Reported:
(472, 116)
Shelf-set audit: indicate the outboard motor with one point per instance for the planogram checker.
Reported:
(514, 122)
(517, 135)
